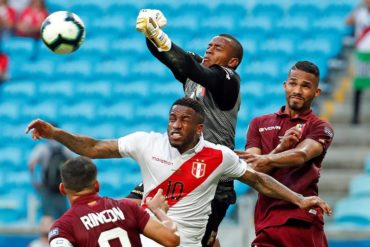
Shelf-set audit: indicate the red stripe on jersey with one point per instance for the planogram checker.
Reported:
(362, 35)
(189, 175)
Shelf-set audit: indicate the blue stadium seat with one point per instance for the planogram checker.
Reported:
(280, 48)
(122, 112)
(13, 207)
(129, 48)
(226, 9)
(293, 28)
(74, 69)
(263, 69)
(62, 88)
(153, 70)
(367, 164)
(214, 25)
(44, 109)
(111, 70)
(353, 211)
(198, 10)
(241, 188)
(250, 48)
(94, 47)
(93, 90)
(86, 8)
(11, 156)
(256, 28)
(9, 110)
(269, 10)
(131, 90)
(117, 183)
(167, 91)
(360, 186)
(153, 113)
(15, 137)
(20, 179)
(19, 89)
(40, 69)
(99, 131)
(83, 110)
(307, 9)
(18, 45)
(111, 26)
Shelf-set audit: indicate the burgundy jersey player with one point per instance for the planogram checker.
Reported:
(100, 221)
(290, 145)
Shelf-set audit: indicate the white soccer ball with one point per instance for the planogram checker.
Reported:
(63, 32)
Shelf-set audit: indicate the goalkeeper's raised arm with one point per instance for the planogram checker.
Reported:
(213, 82)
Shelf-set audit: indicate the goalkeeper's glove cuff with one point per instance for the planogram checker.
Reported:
(161, 40)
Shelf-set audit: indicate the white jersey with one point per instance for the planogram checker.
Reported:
(189, 180)
(362, 28)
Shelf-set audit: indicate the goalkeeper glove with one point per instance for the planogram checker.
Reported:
(150, 22)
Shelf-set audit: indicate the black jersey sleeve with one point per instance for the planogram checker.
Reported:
(223, 83)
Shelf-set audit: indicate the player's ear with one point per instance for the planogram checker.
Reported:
(199, 129)
(62, 189)
(97, 186)
(233, 62)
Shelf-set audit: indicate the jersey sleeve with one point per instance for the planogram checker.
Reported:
(60, 242)
(140, 214)
(321, 132)
(223, 83)
(132, 144)
(234, 166)
(60, 235)
(253, 135)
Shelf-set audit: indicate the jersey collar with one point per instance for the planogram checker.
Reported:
(198, 147)
(85, 199)
(304, 117)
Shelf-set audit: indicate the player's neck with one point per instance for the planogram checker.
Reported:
(295, 113)
(72, 197)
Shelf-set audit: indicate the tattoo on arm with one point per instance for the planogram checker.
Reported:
(87, 146)
(272, 188)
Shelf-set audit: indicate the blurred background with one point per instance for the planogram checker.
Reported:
(113, 86)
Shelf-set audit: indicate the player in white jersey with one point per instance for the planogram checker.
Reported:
(181, 163)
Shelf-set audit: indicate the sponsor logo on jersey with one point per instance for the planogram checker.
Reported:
(263, 129)
(95, 219)
(166, 162)
(198, 170)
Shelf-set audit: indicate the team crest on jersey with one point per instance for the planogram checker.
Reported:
(198, 170)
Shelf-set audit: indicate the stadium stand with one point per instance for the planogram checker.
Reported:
(111, 86)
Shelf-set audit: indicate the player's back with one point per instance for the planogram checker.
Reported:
(100, 221)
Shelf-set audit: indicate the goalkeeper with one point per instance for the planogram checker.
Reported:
(213, 82)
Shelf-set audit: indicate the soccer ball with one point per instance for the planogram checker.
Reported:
(63, 32)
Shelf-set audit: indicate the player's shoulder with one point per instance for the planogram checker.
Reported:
(316, 120)
(222, 148)
(230, 74)
(263, 118)
(144, 134)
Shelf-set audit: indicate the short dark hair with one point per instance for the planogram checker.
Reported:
(78, 173)
(192, 103)
(308, 67)
(238, 48)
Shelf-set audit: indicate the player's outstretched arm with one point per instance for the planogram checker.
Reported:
(80, 144)
(165, 231)
(268, 186)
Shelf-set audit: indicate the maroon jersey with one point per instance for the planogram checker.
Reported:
(264, 133)
(100, 221)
